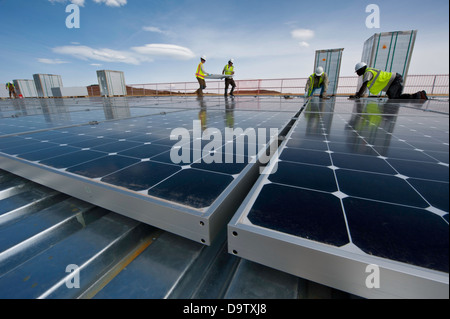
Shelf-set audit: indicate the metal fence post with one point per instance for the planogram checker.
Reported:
(434, 82)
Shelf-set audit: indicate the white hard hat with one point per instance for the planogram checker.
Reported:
(319, 71)
(360, 65)
(231, 60)
(203, 57)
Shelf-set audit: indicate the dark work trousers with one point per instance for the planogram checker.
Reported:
(202, 84)
(395, 91)
(228, 82)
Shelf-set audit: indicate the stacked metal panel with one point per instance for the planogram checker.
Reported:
(330, 60)
(45, 82)
(3, 91)
(112, 83)
(26, 88)
(390, 51)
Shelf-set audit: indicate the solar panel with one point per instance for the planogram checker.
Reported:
(119, 154)
(357, 200)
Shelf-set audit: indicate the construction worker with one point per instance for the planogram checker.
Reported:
(12, 89)
(317, 80)
(377, 81)
(229, 70)
(200, 75)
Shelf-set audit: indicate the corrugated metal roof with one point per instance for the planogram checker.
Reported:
(45, 235)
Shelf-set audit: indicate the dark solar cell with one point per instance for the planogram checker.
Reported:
(308, 214)
(363, 163)
(35, 146)
(401, 233)
(72, 159)
(305, 175)
(420, 169)
(306, 156)
(192, 187)
(102, 166)
(386, 188)
(145, 151)
(141, 176)
(436, 193)
(48, 153)
(116, 147)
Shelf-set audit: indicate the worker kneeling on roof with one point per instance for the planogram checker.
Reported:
(377, 81)
(317, 80)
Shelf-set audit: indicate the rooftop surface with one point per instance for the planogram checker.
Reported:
(387, 160)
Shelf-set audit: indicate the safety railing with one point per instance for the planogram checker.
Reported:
(436, 85)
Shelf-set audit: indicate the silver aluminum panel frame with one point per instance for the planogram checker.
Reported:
(345, 268)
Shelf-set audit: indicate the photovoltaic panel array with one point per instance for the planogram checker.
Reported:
(121, 157)
(355, 184)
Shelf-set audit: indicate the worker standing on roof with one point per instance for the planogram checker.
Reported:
(12, 89)
(229, 70)
(317, 80)
(200, 75)
(377, 81)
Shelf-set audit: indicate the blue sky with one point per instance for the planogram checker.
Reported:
(161, 40)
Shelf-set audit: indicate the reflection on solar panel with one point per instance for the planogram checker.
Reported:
(116, 153)
(358, 200)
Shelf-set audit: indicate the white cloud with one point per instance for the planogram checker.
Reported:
(152, 29)
(158, 30)
(106, 55)
(112, 3)
(304, 44)
(51, 61)
(169, 50)
(136, 55)
(302, 34)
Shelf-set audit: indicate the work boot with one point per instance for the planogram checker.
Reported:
(423, 95)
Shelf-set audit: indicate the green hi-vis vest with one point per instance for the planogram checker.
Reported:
(311, 81)
(379, 81)
(200, 73)
(229, 69)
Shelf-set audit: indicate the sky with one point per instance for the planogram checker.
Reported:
(161, 41)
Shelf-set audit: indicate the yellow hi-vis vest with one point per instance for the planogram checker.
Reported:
(229, 69)
(379, 81)
(200, 73)
(311, 82)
